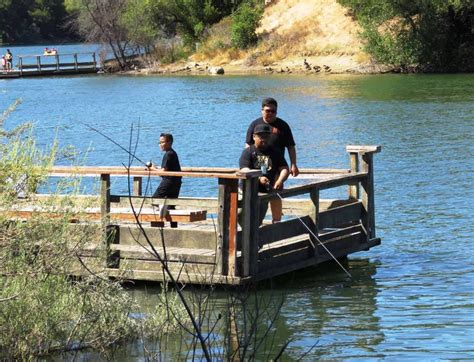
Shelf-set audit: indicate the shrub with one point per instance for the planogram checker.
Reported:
(245, 21)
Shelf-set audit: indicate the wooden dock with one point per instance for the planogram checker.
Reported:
(57, 64)
(219, 240)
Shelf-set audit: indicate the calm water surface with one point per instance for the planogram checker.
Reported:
(412, 297)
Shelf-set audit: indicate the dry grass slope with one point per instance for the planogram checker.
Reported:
(320, 31)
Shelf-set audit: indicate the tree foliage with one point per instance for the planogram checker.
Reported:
(431, 34)
(244, 22)
(190, 18)
(28, 20)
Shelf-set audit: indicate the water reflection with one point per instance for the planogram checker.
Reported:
(324, 314)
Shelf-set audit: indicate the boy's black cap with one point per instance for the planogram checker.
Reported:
(262, 128)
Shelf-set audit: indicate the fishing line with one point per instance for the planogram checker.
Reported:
(116, 143)
(319, 241)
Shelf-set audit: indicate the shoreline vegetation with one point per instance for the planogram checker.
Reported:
(262, 36)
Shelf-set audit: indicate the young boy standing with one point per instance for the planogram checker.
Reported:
(170, 185)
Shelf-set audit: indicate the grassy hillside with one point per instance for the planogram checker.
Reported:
(322, 32)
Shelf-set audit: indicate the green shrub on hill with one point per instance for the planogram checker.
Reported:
(434, 35)
(244, 22)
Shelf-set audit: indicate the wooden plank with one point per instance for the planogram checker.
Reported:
(341, 246)
(314, 195)
(363, 149)
(173, 254)
(330, 235)
(122, 171)
(105, 209)
(285, 259)
(137, 186)
(211, 172)
(186, 278)
(114, 215)
(354, 161)
(270, 273)
(226, 188)
(176, 267)
(233, 221)
(205, 203)
(250, 224)
(368, 195)
(284, 230)
(335, 181)
(337, 216)
(283, 246)
(181, 237)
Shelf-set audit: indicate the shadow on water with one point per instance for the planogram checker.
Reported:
(322, 313)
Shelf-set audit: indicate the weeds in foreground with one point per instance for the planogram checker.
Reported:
(43, 310)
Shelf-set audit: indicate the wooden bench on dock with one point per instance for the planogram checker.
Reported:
(148, 215)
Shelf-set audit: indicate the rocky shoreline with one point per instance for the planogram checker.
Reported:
(206, 68)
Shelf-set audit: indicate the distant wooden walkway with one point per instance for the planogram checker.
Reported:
(58, 64)
(219, 240)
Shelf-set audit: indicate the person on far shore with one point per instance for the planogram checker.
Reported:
(170, 185)
(9, 59)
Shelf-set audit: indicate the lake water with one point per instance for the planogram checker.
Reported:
(410, 298)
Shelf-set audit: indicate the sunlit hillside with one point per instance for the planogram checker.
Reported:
(320, 31)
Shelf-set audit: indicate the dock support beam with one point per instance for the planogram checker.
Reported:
(38, 63)
(354, 189)
(368, 199)
(314, 195)
(226, 251)
(108, 231)
(250, 224)
(137, 186)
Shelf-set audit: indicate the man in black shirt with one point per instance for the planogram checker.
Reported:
(170, 185)
(281, 135)
(260, 155)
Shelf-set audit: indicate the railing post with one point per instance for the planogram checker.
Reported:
(226, 250)
(354, 161)
(314, 195)
(107, 231)
(368, 199)
(137, 186)
(75, 62)
(250, 224)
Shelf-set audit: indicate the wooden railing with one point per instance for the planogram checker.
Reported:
(237, 250)
(61, 62)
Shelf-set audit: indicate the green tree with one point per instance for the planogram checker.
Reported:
(244, 22)
(27, 20)
(434, 34)
(190, 18)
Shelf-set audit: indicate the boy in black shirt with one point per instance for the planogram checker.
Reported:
(170, 185)
(270, 161)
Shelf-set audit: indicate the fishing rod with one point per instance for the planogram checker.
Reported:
(319, 241)
(147, 164)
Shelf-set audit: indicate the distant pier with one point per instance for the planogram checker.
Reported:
(52, 65)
